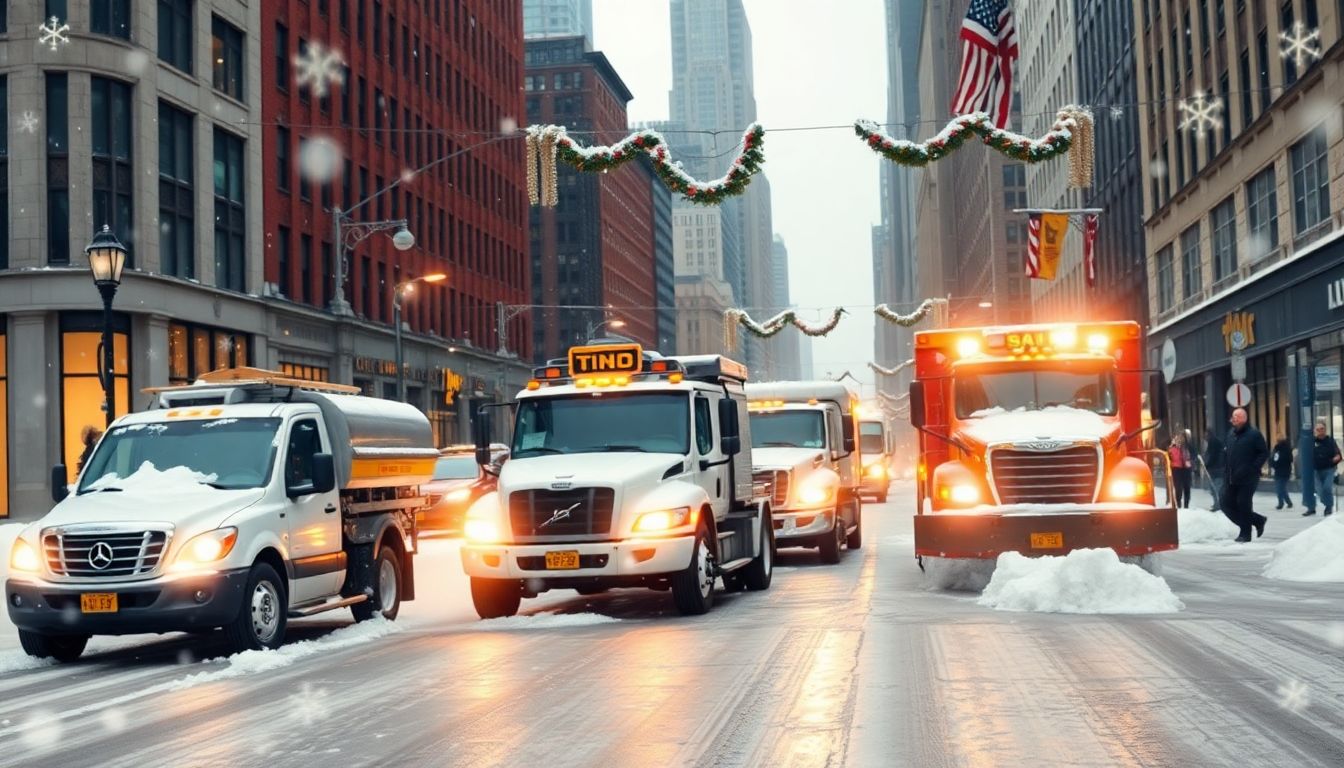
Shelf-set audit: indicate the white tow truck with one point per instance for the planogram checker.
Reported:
(803, 443)
(239, 502)
(627, 469)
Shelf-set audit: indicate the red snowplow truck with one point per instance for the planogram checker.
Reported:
(1030, 441)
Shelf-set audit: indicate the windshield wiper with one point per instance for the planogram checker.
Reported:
(619, 448)
(537, 449)
(779, 444)
(99, 490)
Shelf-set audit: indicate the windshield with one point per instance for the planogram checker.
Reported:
(1033, 390)
(870, 437)
(652, 422)
(455, 468)
(237, 453)
(788, 429)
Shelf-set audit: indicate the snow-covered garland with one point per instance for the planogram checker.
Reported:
(735, 317)
(648, 142)
(890, 371)
(906, 321)
(1070, 123)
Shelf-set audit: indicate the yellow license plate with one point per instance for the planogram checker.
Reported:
(562, 561)
(1047, 541)
(98, 602)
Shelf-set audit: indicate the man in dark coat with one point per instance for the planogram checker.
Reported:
(1246, 455)
(1215, 465)
(1318, 471)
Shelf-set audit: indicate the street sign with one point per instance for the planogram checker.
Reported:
(1168, 360)
(1238, 366)
(1238, 395)
(1327, 378)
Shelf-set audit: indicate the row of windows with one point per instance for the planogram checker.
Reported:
(1310, 185)
(560, 81)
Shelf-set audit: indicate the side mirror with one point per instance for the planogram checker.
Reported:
(480, 433)
(847, 425)
(1157, 397)
(324, 473)
(731, 445)
(59, 487)
(917, 404)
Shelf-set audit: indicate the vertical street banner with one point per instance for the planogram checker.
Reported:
(1045, 241)
(1089, 254)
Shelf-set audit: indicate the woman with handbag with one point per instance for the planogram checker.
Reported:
(1182, 469)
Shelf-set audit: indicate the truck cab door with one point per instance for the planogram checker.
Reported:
(317, 560)
(715, 479)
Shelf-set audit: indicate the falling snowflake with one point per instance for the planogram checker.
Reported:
(316, 67)
(1299, 45)
(320, 159)
(113, 720)
(1294, 696)
(28, 123)
(1117, 113)
(1201, 113)
(50, 34)
(407, 175)
(309, 706)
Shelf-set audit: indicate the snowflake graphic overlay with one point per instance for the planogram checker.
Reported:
(1294, 696)
(1201, 113)
(52, 35)
(28, 123)
(1299, 45)
(317, 68)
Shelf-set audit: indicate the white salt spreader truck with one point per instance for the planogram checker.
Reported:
(239, 502)
(627, 469)
(803, 443)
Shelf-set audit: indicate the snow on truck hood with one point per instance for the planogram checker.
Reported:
(780, 457)
(176, 495)
(587, 469)
(1061, 422)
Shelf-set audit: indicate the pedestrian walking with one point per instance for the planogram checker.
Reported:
(1215, 463)
(1281, 460)
(1246, 455)
(1182, 469)
(1319, 479)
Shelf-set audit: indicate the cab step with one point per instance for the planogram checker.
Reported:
(330, 605)
(733, 565)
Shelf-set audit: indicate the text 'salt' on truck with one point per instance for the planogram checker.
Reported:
(1030, 442)
(627, 469)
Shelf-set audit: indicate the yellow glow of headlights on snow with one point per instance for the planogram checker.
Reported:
(24, 557)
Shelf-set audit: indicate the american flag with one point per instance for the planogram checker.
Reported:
(988, 52)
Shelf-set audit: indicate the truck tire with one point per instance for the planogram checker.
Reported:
(386, 599)
(828, 546)
(590, 591)
(693, 588)
(855, 539)
(261, 621)
(757, 576)
(62, 648)
(882, 497)
(496, 598)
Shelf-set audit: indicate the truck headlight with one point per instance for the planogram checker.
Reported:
(663, 520)
(460, 495)
(24, 557)
(814, 494)
(962, 493)
(877, 471)
(1128, 489)
(209, 547)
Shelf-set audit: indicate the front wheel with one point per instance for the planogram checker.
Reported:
(496, 598)
(62, 648)
(261, 622)
(386, 600)
(829, 546)
(693, 588)
(882, 498)
(855, 539)
(757, 576)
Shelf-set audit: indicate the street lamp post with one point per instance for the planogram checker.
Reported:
(107, 258)
(397, 292)
(348, 233)
(592, 327)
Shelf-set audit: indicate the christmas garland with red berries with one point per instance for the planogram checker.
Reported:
(1022, 148)
(651, 143)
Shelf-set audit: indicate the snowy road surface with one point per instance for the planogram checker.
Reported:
(857, 665)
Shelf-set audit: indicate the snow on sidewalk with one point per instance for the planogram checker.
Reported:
(1200, 526)
(540, 621)
(1083, 581)
(1315, 555)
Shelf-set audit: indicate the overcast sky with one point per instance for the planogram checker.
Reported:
(816, 64)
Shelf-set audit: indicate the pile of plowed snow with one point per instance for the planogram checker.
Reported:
(1200, 526)
(1316, 554)
(1083, 581)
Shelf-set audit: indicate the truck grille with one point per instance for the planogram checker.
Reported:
(1067, 476)
(777, 482)
(550, 514)
(104, 555)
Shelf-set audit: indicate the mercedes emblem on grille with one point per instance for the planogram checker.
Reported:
(1041, 445)
(560, 514)
(100, 556)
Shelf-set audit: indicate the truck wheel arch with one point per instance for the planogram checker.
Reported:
(272, 557)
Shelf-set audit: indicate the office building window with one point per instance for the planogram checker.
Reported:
(283, 261)
(82, 386)
(4, 395)
(197, 349)
(306, 269)
(226, 51)
(1289, 63)
(175, 32)
(1166, 286)
(1224, 221)
(1192, 272)
(1311, 181)
(282, 158)
(4, 182)
(113, 194)
(1262, 213)
(281, 57)
(110, 17)
(230, 220)
(58, 168)
(177, 194)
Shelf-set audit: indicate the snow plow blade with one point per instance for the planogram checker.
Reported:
(1133, 531)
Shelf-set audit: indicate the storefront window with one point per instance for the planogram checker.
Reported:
(305, 372)
(197, 349)
(1267, 377)
(4, 422)
(81, 385)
